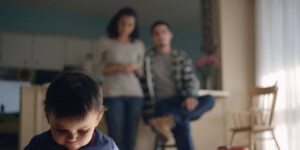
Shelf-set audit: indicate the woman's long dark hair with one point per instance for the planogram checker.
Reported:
(112, 28)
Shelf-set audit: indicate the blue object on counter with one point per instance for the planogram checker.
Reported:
(99, 78)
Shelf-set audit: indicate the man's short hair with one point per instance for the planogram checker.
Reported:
(160, 22)
(73, 95)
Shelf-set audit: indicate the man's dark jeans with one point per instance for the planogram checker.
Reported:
(182, 117)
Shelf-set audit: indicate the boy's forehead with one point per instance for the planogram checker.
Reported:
(73, 121)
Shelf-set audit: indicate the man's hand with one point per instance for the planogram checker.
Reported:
(190, 103)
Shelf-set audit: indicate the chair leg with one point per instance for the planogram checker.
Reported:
(252, 140)
(232, 138)
(276, 142)
(255, 145)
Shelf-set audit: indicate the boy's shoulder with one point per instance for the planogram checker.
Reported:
(43, 141)
(101, 141)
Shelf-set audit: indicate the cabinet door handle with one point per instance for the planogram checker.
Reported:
(25, 62)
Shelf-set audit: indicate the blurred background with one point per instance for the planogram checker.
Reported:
(39, 39)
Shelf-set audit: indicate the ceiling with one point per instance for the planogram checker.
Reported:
(181, 14)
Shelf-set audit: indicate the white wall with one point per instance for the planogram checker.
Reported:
(237, 52)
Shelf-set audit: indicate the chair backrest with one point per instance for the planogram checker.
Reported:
(263, 102)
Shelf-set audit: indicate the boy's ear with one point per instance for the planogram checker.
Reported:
(99, 117)
(47, 116)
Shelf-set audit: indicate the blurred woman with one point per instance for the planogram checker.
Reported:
(119, 59)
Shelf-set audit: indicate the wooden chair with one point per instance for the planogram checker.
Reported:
(258, 118)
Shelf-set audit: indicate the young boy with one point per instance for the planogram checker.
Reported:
(73, 107)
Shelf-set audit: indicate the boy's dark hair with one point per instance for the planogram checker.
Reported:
(73, 95)
(112, 28)
(159, 22)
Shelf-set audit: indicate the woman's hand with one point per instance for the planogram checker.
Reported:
(125, 68)
(129, 68)
(114, 68)
(134, 66)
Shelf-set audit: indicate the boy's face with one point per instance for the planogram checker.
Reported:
(74, 132)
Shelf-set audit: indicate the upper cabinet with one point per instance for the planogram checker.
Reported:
(16, 49)
(46, 52)
(77, 50)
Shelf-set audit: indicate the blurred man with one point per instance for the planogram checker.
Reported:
(170, 87)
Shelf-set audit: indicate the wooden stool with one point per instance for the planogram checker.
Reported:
(162, 146)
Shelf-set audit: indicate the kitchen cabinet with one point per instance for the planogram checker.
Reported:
(48, 52)
(16, 49)
(42, 51)
(76, 51)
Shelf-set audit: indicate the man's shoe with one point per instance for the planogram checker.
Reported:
(163, 126)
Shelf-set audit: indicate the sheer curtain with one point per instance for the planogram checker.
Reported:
(278, 59)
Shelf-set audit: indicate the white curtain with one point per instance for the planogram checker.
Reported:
(278, 59)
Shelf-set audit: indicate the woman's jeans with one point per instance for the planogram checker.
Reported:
(122, 118)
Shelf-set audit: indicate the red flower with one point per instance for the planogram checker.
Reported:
(209, 60)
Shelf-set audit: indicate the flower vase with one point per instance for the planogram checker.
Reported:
(209, 83)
